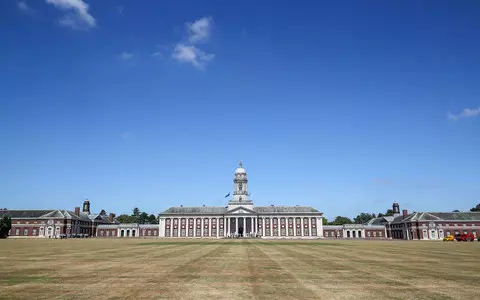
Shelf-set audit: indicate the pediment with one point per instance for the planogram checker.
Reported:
(241, 210)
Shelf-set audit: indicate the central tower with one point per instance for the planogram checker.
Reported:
(240, 184)
(240, 189)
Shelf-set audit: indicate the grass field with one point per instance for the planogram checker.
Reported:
(238, 269)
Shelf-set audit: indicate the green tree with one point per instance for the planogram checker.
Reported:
(339, 220)
(476, 208)
(363, 218)
(152, 219)
(143, 218)
(125, 219)
(5, 226)
(324, 221)
(388, 213)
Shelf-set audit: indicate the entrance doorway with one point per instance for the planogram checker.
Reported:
(240, 231)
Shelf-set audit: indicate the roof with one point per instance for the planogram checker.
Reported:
(19, 214)
(440, 216)
(223, 210)
(196, 210)
(285, 209)
(53, 213)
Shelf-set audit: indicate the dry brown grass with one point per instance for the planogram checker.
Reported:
(238, 269)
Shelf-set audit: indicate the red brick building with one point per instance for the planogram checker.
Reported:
(56, 223)
(428, 225)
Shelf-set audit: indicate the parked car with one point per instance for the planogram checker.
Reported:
(449, 238)
(467, 237)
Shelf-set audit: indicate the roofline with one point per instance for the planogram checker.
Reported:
(230, 214)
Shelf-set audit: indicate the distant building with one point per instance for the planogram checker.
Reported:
(241, 218)
(57, 222)
(355, 231)
(428, 225)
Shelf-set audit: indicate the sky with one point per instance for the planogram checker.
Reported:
(346, 106)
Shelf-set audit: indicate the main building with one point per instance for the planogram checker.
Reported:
(241, 218)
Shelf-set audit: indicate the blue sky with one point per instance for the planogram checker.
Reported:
(346, 106)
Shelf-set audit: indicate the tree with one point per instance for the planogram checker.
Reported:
(5, 226)
(125, 219)
(324, 221)
(143, 218)
(388, 213)
(476, 208)
(456, 210)
(152, 219)
(339, 220)
(363, 218)
(380, 215)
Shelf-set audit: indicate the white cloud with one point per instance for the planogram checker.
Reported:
(77, 16)
(126, 56)
(23, 6)
(200, 30)
(191, 54)
(466, 113)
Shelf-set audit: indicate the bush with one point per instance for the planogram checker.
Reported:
(478, 239)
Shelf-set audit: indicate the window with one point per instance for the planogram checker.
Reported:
(369, 233)
(101, 232)
(380, 233)
(447, 226)
(35, 232)
(448, 232)
(374, 233)
(17, 231)
(474, 232)
(108, 233)
(25, 231)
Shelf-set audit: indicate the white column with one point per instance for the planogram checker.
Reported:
(201, 227)
(160, 227)
(294, 226)
(217, 228)
(263, 226)
(226, 225)
(320, 227)
(301, 226)
(209, 227)
(236, 225)
(310, 226)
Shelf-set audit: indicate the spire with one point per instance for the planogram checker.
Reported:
(240, 165)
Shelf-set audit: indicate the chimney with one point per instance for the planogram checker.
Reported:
(111, 217)
(405, 213)
(86, 206)
(77, 210)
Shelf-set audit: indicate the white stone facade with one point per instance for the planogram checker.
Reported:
(241, 218)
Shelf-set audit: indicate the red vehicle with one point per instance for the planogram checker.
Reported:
(468, 237)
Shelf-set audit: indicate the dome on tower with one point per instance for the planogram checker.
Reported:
(240, 169)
